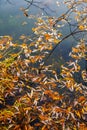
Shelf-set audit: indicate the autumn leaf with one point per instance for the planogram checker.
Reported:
(44, 127)
(43, 117)
(75, 50)
(56, 41)
(81, 27)
(17, 127)
(1, 56)
(22, 37)
(24, 45)
(78, 114)
(84, 75)
(47, 36)
(24, 23)
(27, 108)
(82, 126)
(81, 99)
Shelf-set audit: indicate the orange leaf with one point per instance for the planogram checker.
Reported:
(81, 99)
(44, 128)
(47, 36)
(43, 117)
(1, 56)
(27, 108)
(57, 109)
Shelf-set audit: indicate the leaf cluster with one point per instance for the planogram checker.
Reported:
(32, 94)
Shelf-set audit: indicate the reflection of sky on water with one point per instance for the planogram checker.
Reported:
(11, 19)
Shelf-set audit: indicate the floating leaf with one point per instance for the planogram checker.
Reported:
(24, 23)
(47, 36)
(81, 27)
(44, 127)
(22, 37)
(56, 41)
(43, 117)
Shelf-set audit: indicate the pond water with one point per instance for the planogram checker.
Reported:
(12, 19)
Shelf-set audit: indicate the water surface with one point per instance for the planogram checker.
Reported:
(12, 19)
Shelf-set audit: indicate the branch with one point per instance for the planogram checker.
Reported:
(9, 2)
(37, 5)
(63, 16)
(71, 34)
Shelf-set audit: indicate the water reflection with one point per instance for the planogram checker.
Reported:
(11, 17)
(14, 23)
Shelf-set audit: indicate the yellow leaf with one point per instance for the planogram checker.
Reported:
(78, 113)
(34, 29)
(24, 45)
(56, 40)
(27, 108)
(81, 27)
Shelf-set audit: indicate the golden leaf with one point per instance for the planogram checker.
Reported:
(43, 117)
(78, 113)
(55, 97)
(1, 56)
(75, 50)
(47, 36)
(44, 128)
(81, 27)
(56, 40)
(27, 108)
(24, 45)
